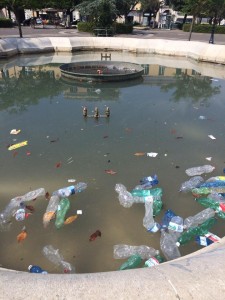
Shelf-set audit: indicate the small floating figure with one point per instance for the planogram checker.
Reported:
(96, 113)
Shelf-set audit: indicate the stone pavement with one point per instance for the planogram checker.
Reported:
(144, 33)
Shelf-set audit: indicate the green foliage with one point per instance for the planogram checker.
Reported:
(204, 28)
(121, 28)
(86, 26)
(5, 23)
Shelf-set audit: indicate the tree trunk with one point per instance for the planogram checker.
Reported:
(191, 27)
(17, 14)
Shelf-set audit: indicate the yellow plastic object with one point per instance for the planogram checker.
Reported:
(15, 146)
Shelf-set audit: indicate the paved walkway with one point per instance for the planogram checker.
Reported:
(137, 33)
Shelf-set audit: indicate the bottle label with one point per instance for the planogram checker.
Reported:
(212, 237)
(175, 227)
(151, 262)
(203, 241)
(155, 228)
(222, 207)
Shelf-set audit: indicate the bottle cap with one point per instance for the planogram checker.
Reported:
(30, 266)
(178, 244)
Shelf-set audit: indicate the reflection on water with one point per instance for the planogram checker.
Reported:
(147, 115)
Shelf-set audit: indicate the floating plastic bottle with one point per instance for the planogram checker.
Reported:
(219, 207)
(122, 251)
(199, 170)
(216, 178)
(199, 218)
(154, 261)
(70, 190)
(151, 180)
(57, 259)
(62, 209)
(148, 220)
(51, 210)
(212, 184)
(194, 231)
(125, 198)
(191, 183)
(133, 262)
(176, 224)
(207, 239)
(168, 245)
(204, 191)
(36, 269)
(168, 215)
(14, 205)
(216, 197)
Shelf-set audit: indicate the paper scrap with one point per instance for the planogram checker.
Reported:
(152, 154)
(79, 212)
(15, 131)
(71, 180)
(15, 146)
(208, 158)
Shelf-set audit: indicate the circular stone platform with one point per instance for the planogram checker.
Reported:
(99, 71)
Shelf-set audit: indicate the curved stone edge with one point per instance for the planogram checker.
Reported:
(199, 51)
(199, 275)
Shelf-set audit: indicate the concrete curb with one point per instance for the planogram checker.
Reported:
(198, 51)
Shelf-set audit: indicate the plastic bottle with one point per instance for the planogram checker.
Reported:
(133, 262)
(36, 269)
(125, 198)
(219, 207)
(207, 239)
(62, 209)
(57, 259)
(204, 191)
(199, 170)
(151, 180)
(193, 231)
(14, 204)
(220, 178)
(191, 183)
(148, 220)
(122, 251)
(51, 209)
(70, 190)
(176, 224)
(217, 183)
(168, 215)
(153, 261)
(168, 245)
(199, 218)
(216, 197)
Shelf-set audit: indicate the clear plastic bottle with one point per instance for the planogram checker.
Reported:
(219, 207)
(62, 209)
(168, 245)
(216, 197)
(217, 183)
(36, 269)
(133, 262)
(51, 209)
(194, 231)
(70, 190)
(57, 259)
(148, 220)
(199, 170)
(125, 198)
(122, 251)
(176, 224)
(199, 218)
(14, 204)
(191, 183)
(168, 215)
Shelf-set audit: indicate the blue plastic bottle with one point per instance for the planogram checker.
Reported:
(36, 269)
(168, 215)
(150, 180)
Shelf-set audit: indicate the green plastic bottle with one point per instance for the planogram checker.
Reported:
(193, 231)
(217, 206)
(133, 262)
(155, 193)
(154, 261)
(62, 209)
(204, 191)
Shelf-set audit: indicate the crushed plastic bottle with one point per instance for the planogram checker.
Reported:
(57, 259)
(148, 220)
(133, 262)
(191, 183)
(125, 198)
(14, 205)
(194, 231)
(199, 170)
(168, 245)
(154, 261)
(71, 190)
(62, 209)
(36, 269)
(122, 251)
(199, 218)
(51, 210)
(168, 215)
